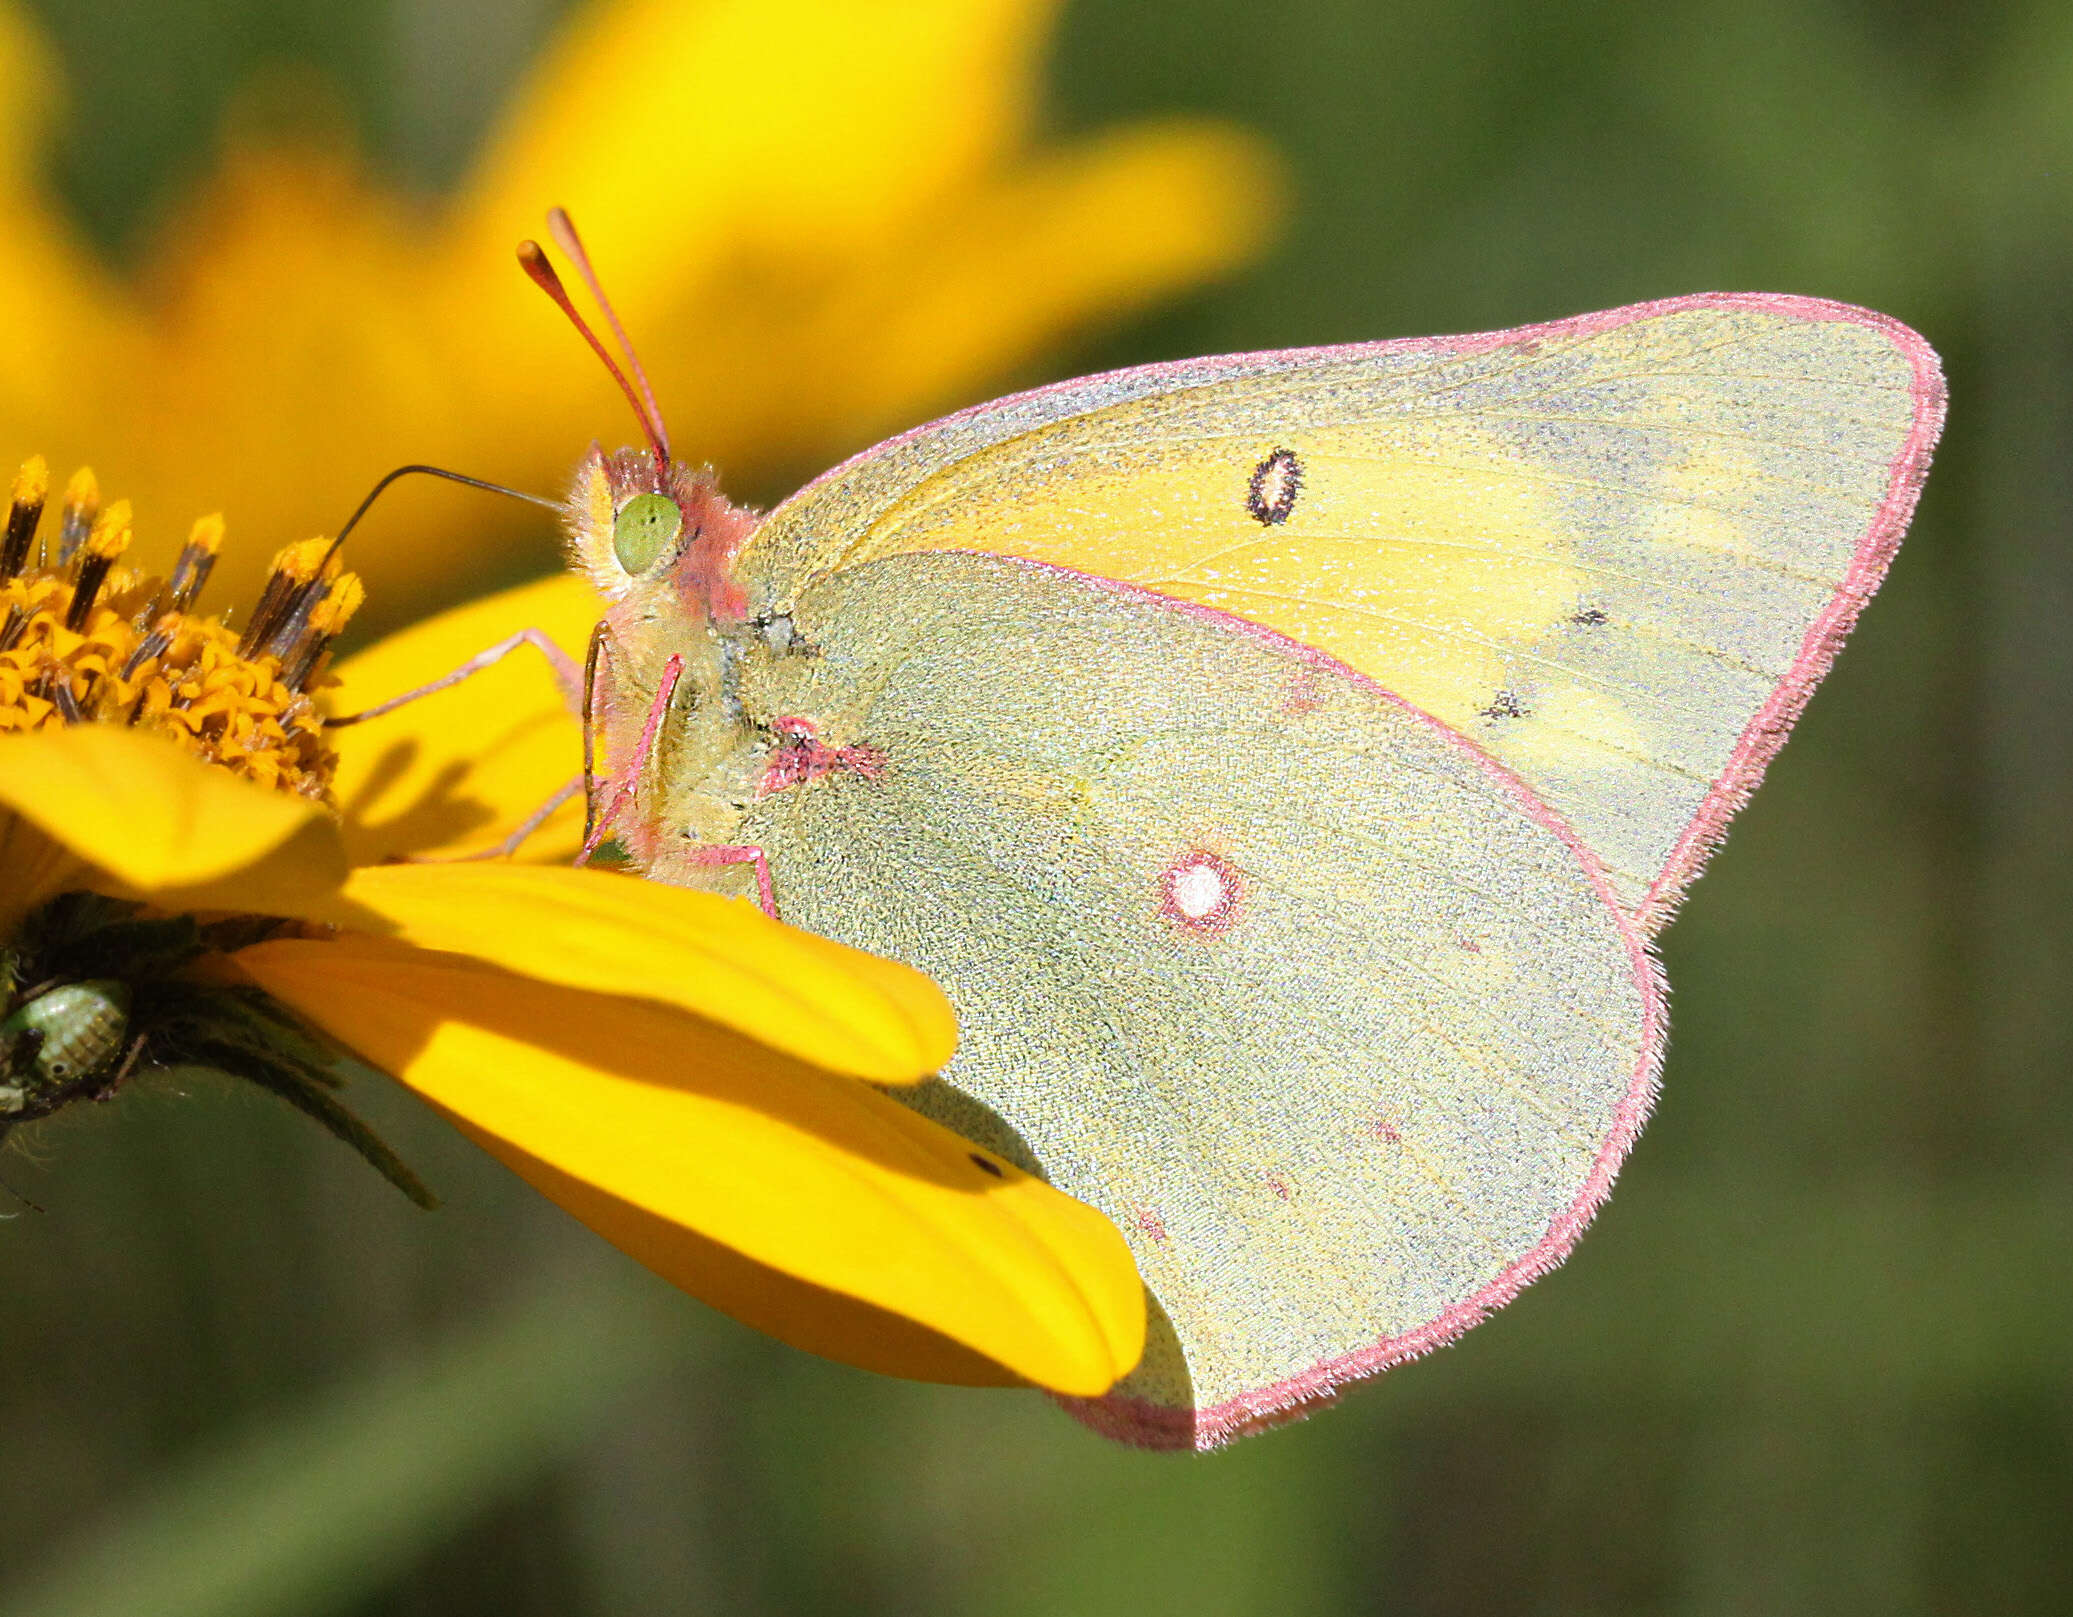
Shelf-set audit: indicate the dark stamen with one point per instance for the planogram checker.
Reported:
(325, 622)
(22, 518)
(77, 525)
(299, 655)
(197, 560)
(68, 704)
(154, 644)
(190, 573)
(299, 577)
(294, 623)
(302, 662)
(93, 572)
(271, 599)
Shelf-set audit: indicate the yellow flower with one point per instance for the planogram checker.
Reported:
(824, 219)
(178, 888)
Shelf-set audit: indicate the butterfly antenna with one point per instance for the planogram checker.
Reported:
(375, 493)
(533, 260)
(563, 229)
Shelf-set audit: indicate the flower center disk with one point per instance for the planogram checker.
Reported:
(84, 639)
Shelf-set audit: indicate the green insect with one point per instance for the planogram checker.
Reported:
(57, 1040)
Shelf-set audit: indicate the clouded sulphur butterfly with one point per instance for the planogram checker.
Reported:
(1283, 761)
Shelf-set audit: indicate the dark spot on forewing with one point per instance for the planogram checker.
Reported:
(1505, 705)
(1590, 617)
(1276, 481)
(984, 1166)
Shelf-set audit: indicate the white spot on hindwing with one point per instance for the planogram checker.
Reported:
(1199, 892)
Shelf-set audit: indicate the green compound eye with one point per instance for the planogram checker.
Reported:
(647, 526)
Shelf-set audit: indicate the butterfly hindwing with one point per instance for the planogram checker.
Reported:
(1335, 1021)
(1617, 551)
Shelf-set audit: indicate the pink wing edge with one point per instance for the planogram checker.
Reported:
(1154, 1426)
(1766, 732)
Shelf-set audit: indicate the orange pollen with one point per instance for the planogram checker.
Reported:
(86, 640)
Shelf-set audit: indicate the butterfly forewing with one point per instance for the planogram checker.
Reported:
(1616, 551)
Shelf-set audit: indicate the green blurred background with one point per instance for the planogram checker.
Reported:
(1812, 1358)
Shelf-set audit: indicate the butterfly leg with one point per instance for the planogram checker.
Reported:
(512, 843)
(567, 675)
(624, 783)
(739, 854)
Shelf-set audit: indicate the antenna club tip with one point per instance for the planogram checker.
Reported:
(535, 263)
(539, 268)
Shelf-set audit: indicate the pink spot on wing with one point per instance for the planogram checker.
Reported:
(1386, 1131)
(1471, 946)
(1304, 696)
(1151, 1224)
(1280, 1187)
(802, 756)
(1199, 892)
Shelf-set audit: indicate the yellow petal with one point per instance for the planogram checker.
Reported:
(693, 143)
(720, 957)
(969, 289)
(33, 870)
(775, 1191)
(165, 826)
(66, 322)
(1170, 206)
(696, 131)
(283, 284)
(460, 770)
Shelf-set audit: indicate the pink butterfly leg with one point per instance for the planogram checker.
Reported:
(512, 843)
(626, 782)
(724, 853)
(628, 779)
(567, 675)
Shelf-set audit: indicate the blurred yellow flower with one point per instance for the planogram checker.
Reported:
(823, 219)
(177, 888)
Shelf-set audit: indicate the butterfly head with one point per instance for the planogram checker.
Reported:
(640, 525)
(657, 531)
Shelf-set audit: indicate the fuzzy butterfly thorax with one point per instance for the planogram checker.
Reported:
(667, 571)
